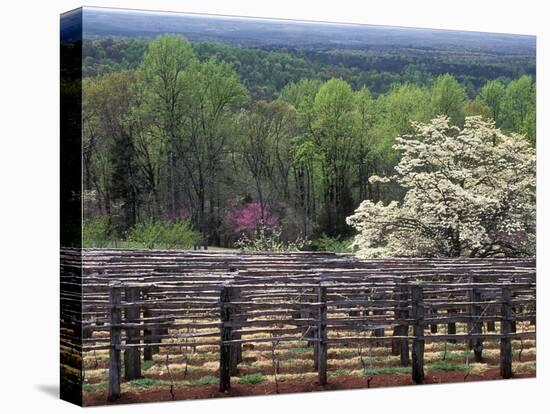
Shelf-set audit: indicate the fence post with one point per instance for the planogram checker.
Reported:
(513, 324)
(477, 325)
(451, 326)
(225, 335)
(395, 343)
(401, 346)
(315, 335)
(403, 330)
(236, 349)
(505, 330)
(417, 300)
(115, 338)
(322, 336)
(147, 331)
(469, 324)
(312, 313)
(309, 313)
(132, 357)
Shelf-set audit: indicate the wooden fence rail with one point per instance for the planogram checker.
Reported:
(231, 329)
(148, 300)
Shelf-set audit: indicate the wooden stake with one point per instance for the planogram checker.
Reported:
(322, 336)
(115, 338)
(403, 313)
(417, 299)
(147, 332)
(225, 349)
(506, 329)
(477, 326)
(469, 324)
(132, 357)
(236, 349)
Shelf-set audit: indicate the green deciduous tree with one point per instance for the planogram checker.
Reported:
(335, 137)
(478, 108)
(492, 94)
(214, 95)
(109, 153)
(164, 67)
(364, 156)
(519, 106)
(448, 98)
(267, 130)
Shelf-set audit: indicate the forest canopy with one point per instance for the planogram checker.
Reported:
(230, 144)
(266, 71)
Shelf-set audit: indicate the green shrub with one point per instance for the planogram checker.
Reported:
(179, 233)
(252, 379)
(148, 233)
(332, 244)
(97, 232)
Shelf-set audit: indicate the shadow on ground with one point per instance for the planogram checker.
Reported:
(49, 389)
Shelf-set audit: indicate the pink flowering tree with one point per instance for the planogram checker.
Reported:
(248, 217)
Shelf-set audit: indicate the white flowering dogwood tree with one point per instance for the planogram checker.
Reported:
(468, 192)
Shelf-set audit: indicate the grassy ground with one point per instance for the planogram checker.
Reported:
(294, 361)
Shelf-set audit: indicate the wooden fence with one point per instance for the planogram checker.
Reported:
(146, 300)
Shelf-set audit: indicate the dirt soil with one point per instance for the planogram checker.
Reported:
(288, 386)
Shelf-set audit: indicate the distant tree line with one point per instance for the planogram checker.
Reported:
(265, 72)
(181, 132)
